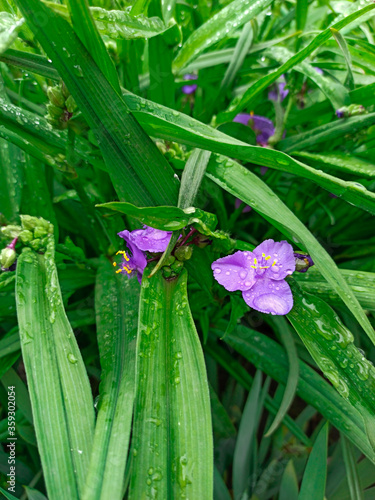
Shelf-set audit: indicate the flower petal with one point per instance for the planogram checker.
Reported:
(147, 239)
(282, 253)
(234, 271)
(270, 297)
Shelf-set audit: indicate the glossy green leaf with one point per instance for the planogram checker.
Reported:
(11, 173)
(328, 132)
(9, 28)
(127, 150)
(268, 356)
(33, 494)
(86, 29)
(168, 218)
(172, 436)
(32, 62)
(116, 308)
(57, 380)
(246, 186)
(339, 162)
(344, 48)
(223, 24)
(164, 123)
(361, 283)
(314, 478)
(330, 344)
(248, 98)
(120, 24)
(301, 13)
(192, 177)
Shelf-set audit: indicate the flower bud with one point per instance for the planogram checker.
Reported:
(303, 262)
(39, 232)
(184, 253)
(30, 222)
(11, 231)
(64, 90)
(26, 236)
(7, 257)
(54, 111)
(70, 104)
(56, 96)
(177, 266)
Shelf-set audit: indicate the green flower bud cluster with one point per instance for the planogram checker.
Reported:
(61, 106)
(172, 151)
(351, 110)
(33, 232)
(173, 269)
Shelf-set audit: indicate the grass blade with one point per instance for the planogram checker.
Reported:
(351, 470)
(315, 475)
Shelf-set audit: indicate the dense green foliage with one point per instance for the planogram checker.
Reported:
(175, 387)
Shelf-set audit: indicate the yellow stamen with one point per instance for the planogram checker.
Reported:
(122, 252)
(255, 261)
(263, 254)
(118, 271)
(274, 262)
(114, 264)
(268, 258)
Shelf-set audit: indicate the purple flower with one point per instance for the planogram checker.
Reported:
(139, 241)
(262, 126)
(246, 208)
(303, 262)
(279, 92)
(318, 70)
(339, 113)
(260, 276)
(189, 89)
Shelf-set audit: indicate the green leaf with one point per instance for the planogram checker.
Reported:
(362, 284)
(223, 24)
(164, 123)
(127, 150)
(31, 62)
(9, 28)
(301, 14)
(165, 218)
(220, 490)
(338, 161)
(33, 494)
(338, 128)
(269, 357)
(315, 475)
(7, 495)
(341, 42)
(57, 380)
(87, 31)
(248, 98)
(291, 385)
(352, 475)
(289, 483)
(11, 174)
(117, 316)
(245, 437)
(330, 344)
(120, 24)
(192, 177)
(172, 436)
(246, 186)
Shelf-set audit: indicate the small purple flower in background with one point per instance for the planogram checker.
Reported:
(262, 126)
(237, 205)
(318, 70)
(260, 276)
(189, 89)
(278, 93)
(339, 113)
(139, 241)
(303, 262)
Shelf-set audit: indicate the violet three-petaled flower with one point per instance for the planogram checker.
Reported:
(189, 89)
(138, 242)
(260, 275)
(262, 126)
(279, 93)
